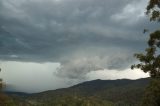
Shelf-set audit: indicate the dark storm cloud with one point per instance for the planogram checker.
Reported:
(82, 35)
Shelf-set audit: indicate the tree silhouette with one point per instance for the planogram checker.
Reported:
(150, 60)
(1, 84)
(4, 99)
(153, 10)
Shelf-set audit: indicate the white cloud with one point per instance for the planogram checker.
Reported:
(114, 74)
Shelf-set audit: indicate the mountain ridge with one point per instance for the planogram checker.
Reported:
(10, 91)
(97, 92)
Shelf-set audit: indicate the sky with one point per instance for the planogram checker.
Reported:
(51, 44)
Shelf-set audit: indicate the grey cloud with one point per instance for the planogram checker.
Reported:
(58, 31)
(77, 65)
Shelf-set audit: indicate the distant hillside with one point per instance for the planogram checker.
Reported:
(122, 92)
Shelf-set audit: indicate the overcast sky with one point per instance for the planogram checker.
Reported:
(49, 44)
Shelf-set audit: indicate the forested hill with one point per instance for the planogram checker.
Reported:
(121, 92)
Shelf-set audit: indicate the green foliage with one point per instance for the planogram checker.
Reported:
(78, 101)
(4, 99)
(152, 95)
(150, 60)
(112, 93)
(1, 84)
(152, 10)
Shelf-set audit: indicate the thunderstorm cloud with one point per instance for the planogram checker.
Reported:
(81, 35)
